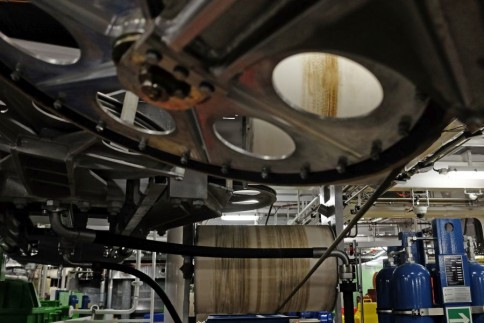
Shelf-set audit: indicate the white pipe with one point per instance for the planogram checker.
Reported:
(94, 310)
(43, 282)
(24, 278)
(63, 280)
(153, 273)
(109, 301)
(302, 214)
(102, 295)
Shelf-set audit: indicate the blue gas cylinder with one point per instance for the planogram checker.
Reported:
(85, 302)
(477, 289)
(73, 300)
(411, 289)
(384, 294)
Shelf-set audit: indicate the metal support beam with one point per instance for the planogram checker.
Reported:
(174, 276)
(337, 195)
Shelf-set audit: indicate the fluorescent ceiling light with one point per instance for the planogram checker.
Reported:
(246, 202)
(239, 217)
(465, 174)
(247, 192)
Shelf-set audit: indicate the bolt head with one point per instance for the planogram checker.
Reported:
(15, 76)
(206, 88)
(198, 203)
(152, 57)
(154, 91)
(304, 173)
(57, 104)
(179, 94)
(225, 169)
(184, 159)
(342, 163)
(180, 73)
(265, 173)
(142, 144)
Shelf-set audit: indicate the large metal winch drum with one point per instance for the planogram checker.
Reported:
(237, 286)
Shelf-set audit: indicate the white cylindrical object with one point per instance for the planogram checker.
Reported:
(153, 275)
(240, 286)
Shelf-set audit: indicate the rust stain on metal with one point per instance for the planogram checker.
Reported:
(321, 85)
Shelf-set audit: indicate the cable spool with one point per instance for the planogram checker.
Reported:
(240, 286)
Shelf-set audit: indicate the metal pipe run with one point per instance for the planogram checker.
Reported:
(302, 214)
(95, 310)
(109, 301)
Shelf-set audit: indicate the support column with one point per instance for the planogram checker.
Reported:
(174, 283)
(331, 200)
(339, 223)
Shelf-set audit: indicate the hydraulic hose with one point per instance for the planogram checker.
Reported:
(106, 238)
(111, 239)
(69, 234)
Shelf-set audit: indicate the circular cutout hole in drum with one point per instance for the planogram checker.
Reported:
(254, 137)
(148, 119)
(327, 85)
(36, 33)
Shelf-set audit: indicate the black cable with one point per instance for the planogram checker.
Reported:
(369, 203)
(269, 214)
(110, 239)
(145, 279)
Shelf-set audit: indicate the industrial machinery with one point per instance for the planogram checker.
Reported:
(210, 92)
(436, 278)
(104, 104)
(153, 115)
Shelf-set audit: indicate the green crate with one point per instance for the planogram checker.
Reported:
(19, 304)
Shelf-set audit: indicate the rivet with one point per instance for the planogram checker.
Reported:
(180, 72)
(184, 158)
(100, 126)
(304, 173)
(57, 104)
(404, 126)
(15, 75)
(225, 169)
(206, 88)
(342, 163)
(376, 149)
(265, 172)
(142, 144)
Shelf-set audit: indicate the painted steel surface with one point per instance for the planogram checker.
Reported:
(411, 289)
(384, 293)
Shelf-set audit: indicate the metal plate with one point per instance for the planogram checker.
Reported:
(393, 42)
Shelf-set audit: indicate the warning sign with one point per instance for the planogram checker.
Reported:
(458, 314)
